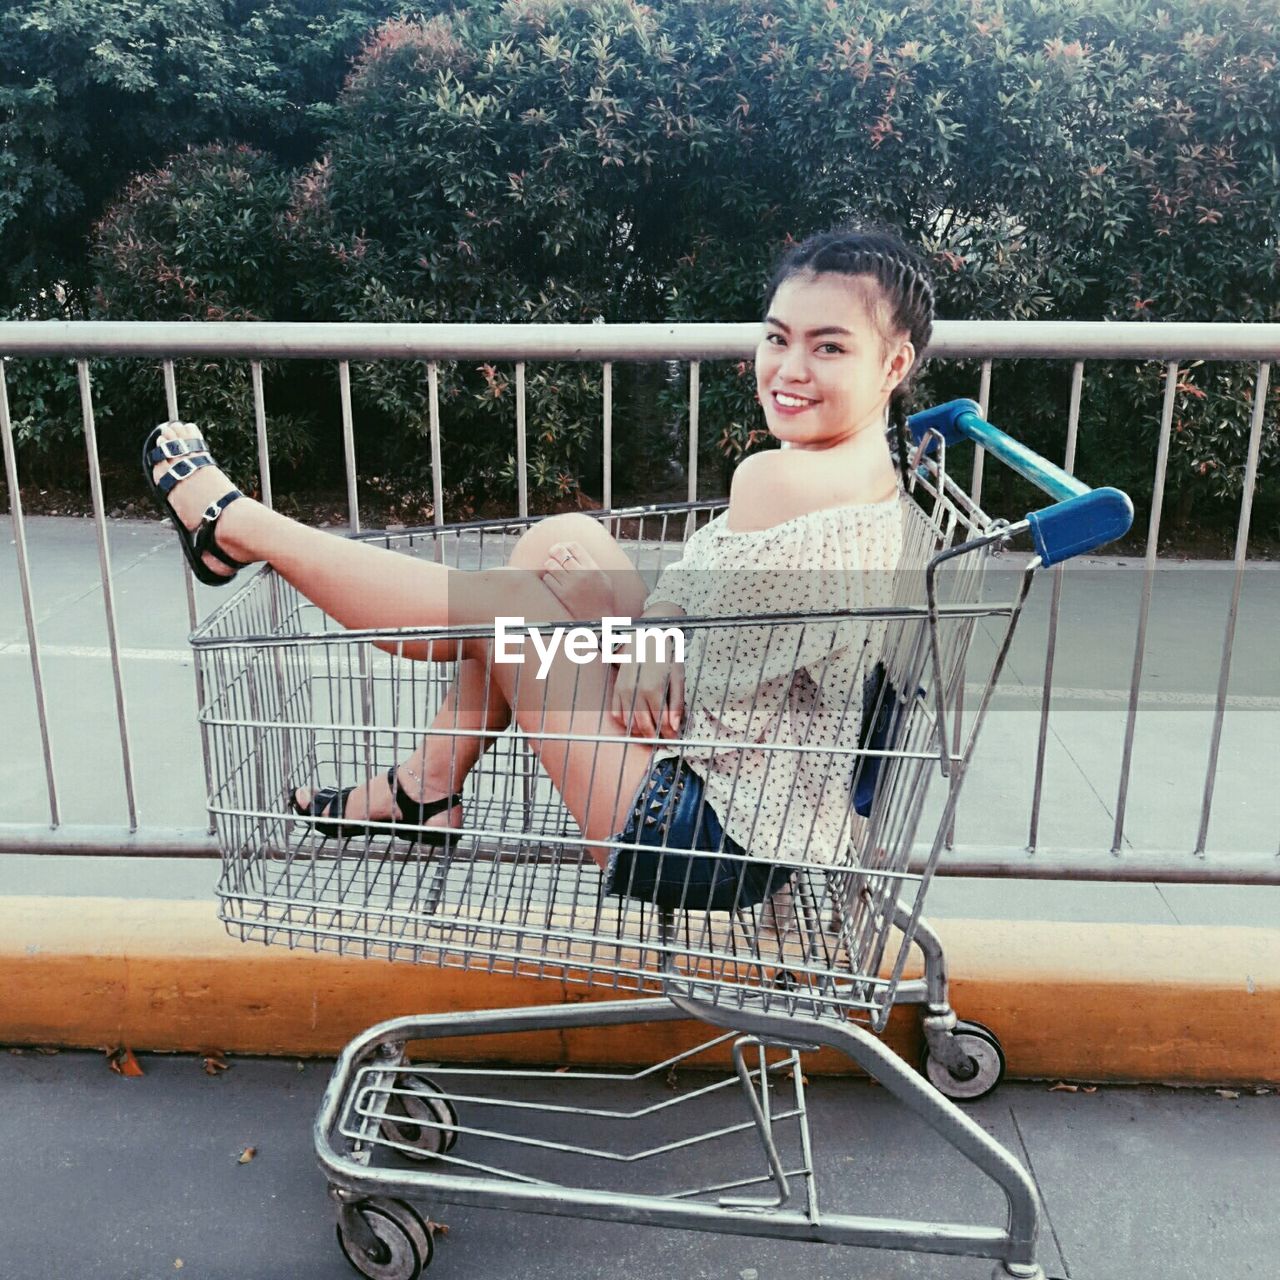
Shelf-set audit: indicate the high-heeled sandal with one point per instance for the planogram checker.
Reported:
(331, 802)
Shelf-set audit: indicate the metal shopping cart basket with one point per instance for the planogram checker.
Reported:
(293, 700)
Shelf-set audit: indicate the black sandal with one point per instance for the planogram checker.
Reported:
(331, 802)
(188, 456)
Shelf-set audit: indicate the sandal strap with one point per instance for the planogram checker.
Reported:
(330, 803)
(423, 809)
(206, 538)
(180, 470)
(167, 450)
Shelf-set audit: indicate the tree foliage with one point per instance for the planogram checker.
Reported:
(575, 160)
(93, 92)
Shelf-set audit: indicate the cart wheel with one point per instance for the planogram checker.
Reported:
(425, 1110)
(985, 1055)
(403, 1250)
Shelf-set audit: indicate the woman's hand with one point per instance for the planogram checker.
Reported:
(648, 699)
(574, 578)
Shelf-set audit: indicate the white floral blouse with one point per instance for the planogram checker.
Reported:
(756, 692)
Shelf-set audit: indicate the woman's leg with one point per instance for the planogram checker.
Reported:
(473, 712)
(475, 705)
(363, 586)
(475, 709)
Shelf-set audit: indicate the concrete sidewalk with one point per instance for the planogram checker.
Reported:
(138, 1179)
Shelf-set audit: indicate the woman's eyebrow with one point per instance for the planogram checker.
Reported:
(812, 333)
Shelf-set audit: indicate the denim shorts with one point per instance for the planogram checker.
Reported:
(701, 869)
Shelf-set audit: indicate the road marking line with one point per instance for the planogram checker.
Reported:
(95, 651)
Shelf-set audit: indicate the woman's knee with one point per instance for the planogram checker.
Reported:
(534, 547)
(531, 548)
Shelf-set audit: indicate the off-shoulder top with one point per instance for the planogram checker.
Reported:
(773, 699)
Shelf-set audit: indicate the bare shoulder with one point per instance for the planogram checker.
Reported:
(781, 484)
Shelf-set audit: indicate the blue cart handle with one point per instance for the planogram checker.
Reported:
(1081, 519)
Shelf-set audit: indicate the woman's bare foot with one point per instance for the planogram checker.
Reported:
(196, 495)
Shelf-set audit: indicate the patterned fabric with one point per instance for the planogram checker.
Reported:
(793, 684)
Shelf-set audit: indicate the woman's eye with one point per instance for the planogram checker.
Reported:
(775, 339)
(831, 348)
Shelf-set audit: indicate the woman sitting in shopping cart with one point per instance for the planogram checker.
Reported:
(810, 527)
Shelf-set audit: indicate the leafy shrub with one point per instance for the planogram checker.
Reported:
(94, 92)
(576, 160)
(200, 239)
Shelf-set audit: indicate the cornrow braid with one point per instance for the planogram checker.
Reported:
(906, 288)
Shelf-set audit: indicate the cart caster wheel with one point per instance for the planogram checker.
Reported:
(985, 1055)
(415, 1119)
(402, 1248)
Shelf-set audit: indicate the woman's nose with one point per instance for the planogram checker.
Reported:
(795, 365)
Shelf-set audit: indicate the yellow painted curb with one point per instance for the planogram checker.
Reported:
(1171, 1003)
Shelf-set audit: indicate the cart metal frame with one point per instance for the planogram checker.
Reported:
(290, 698)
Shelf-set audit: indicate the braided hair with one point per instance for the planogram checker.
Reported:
(906, 291)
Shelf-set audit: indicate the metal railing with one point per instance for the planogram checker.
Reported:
(988, 342)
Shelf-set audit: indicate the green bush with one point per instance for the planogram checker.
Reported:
(201, 239)
(94, 92)
(575, 160)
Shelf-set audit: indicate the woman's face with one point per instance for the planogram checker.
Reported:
(823, 368)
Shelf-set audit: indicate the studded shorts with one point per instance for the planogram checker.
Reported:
(686, 861)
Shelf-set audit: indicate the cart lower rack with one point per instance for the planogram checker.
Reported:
(813, 959)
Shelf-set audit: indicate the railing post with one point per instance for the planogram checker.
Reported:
(108, 586)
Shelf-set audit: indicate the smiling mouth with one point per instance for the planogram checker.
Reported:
(787, 401)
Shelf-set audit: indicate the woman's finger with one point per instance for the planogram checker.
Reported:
(576, 554)
(653, 712)
(623, 694)
(637, 709)
(565, 555)
(675, 701)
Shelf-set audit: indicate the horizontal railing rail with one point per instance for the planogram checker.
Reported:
(952, 339)
(984, 341)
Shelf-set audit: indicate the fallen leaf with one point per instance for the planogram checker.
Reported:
(177, 1264)
(1063, 1087)
(215, 1063)
(561, 1071)
(1089, 1088)
(437, 1228)
(1227, 1093)
(1258, 1093)
(301, 1066)
(247, 1154)
(45, 1051)
(123, 1063)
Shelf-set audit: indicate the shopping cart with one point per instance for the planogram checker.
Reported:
(293, 700)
